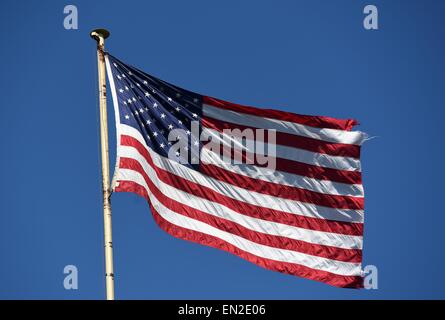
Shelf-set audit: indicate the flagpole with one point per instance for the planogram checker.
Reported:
(100, 35)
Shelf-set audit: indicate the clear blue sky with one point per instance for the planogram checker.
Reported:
(309, 57)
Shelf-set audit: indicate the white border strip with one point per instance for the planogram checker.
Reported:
(117, 120)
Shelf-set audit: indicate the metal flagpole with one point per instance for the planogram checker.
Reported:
(100, 35)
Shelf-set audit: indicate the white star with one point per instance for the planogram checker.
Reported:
(136, 112)
(114, 64)
(121, 90)
(162, 145)
(177, 153)
(162, 116)
(129, 101)
(129, 72)
(125, 102)
(170, 126)
(126, 88)
(155, 105)
(134, 99)
(127, 116)
(169, 99)
(178, 109)
(148, 122)
(155, 134)
(141, 110)
(196, 143)
(138, 84)
(123, 75)
(188, 132)
(119, 77)
(195, 115)
(145, 82)
(147, 94)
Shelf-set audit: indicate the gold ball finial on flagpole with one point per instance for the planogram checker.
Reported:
(100, 35)
(96, 34)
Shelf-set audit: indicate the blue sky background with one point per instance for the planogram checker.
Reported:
(309, 57)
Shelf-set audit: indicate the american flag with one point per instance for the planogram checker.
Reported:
(303, 217)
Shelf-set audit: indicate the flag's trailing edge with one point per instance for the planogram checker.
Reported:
(305, 218)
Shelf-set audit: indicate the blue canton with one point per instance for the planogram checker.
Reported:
(155, 107)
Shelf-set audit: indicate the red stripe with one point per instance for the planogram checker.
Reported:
(329, 252)
(319, 173)
(292, 140)
(251, 210)
(313, 121)
(282, 191)
(211, 241)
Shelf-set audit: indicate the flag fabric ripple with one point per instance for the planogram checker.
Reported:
(305, 218)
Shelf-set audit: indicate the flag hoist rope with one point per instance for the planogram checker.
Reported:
(100, 35)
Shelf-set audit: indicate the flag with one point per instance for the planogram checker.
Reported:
(281, 190)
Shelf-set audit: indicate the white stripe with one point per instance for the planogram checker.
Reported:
(329, 135)
(243, 195)
(221, 211)
(284, 178)
(283, 255)
(290, 153)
